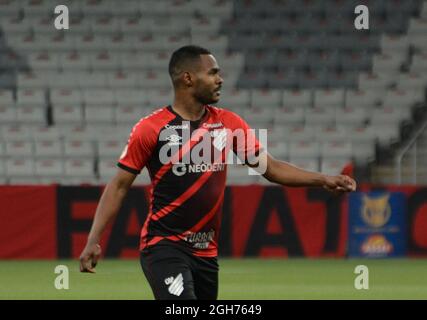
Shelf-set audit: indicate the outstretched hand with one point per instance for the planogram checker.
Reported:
(89, 258)
(339, 184)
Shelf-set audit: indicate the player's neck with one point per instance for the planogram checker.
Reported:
(188, 108)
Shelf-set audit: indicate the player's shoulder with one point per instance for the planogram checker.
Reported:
(225, 114)
(157, 117)
(152, 123)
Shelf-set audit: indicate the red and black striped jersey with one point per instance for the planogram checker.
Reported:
(186, 194)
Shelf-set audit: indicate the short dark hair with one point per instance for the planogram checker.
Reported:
(183, 56)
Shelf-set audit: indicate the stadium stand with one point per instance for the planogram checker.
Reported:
(328, 94)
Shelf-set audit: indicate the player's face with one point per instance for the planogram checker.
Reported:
(208, 80)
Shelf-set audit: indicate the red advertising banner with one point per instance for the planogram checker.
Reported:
(28, 222)
(53, 222)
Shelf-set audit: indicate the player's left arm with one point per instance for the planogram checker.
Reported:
(287, 174)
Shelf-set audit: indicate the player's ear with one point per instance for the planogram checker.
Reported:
(188, 79)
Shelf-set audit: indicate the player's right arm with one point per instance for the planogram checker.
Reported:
(139, 148)
(108, 207)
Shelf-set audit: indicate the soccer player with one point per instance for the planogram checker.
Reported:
(178, 243)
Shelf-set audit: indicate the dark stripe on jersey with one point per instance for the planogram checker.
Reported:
(126, 168)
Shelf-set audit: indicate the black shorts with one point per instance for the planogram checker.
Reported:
(174, 273)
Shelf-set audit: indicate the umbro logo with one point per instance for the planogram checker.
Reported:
(174, 140)
(175, 285)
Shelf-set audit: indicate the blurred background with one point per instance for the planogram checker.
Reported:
(328, 93)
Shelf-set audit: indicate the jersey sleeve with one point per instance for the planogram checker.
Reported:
(139, 148)
(248, 147)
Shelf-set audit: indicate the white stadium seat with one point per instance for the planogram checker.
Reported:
(30, 114)
(49, 168)
(354, 116)
(19, 167)
(15, 132)
(30, 98)
(330, 133)
(291, 115)
(361, 98)
(110, 148)
(303, 149)
(336, 150)
(99, 97)
(266, 98)
(297, 98)
(78, 148)
(72, 114)
(319, 115)
(300, 133)
(126, 80)
(19, 148)
(66, 97)
(7, 114)
(31, 80)
(99, 114)
(74, 61)
(79, 168)
(235, 98)
(48, 148)
(6, 98)
(43, 133)
(328, 98)
(130, 97)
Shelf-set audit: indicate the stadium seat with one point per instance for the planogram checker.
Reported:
(411, 81)
(48, 149)
(10, 8)
(99, 114)
(129, 114)
(336, 150)
(400, 98)
(43, 133)
(297, 98)
(131, 97)
(238, 175)
(7, 114)
(6, 98)
(19, 148)
(353, 116)
(289, 115)
(43, 61)
(235, 98)
(110, 148)
(319, 115)
(15, 132)
(331, 133)
(78, 168)
(60, 97)
(74, 61)
(48, 168)
(19, 167)
(328, 98)
(258, 117)
(332, 166)
(103, 61)
(93, 82)
(266, 98)
(303, 149)
(361, 98)
(117, 80)
(31, 81)
(30, 114)
(159, 98)
(78, 148)
(30, 98)
(64, 80)
(98, 97)
(71, 114)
